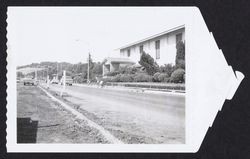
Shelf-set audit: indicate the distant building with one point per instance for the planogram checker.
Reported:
(113, 64)
(162, 47)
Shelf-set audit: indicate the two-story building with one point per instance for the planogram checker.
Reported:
(162, 47)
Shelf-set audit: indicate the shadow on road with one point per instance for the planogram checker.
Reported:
(26, 130)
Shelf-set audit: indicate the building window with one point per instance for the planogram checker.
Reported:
(128, 53)
(157, 49)
(141, 49)
(178, 37)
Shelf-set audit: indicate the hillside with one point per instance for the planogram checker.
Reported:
(53, 68)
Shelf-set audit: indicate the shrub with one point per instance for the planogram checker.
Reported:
(177, 75)
(126, 78)
(162, 77)
(128, 70)
(167, 79)
(113, 73)
(143, 78)
(78, 79)
(108, 79)
(123, 69)
(116, 78)
(168, 69)
(148, 63)
(155, 77)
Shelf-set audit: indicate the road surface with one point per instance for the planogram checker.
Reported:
(132, 117)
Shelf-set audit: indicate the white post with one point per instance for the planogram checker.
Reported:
(64, 82)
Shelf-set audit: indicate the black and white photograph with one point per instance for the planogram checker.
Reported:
(99, 75)
(155, 79)
(113, 79)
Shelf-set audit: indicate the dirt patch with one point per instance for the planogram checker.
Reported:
(53, 123)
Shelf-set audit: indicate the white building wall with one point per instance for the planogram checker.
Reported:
(167, 49)
(134, 53)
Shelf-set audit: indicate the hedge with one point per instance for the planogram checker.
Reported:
(128, 70)
(178, 75)
(126, 78)
(167, 68)
(113, 73)
(155, 77)
(143, 78)
(162, 77)
(116, 78)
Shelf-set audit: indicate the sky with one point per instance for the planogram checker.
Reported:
(68, 34)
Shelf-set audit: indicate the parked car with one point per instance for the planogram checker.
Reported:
(69, 81)
(29, 81)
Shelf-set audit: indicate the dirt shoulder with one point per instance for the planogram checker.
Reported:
(39, 120)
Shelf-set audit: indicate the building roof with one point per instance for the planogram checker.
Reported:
(153, 36)
(117, 60)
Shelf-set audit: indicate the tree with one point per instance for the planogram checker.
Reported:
(97, 69)
(20, 74)
(180, 55)
(90, 65)
(148, 63)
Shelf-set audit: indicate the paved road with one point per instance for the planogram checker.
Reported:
(131, 116)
